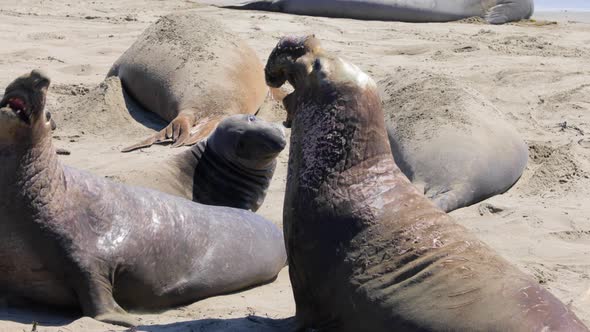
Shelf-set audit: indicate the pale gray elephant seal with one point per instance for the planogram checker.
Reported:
(190, 71)
(70, 238)
(366, 250)
(232, 167)
(450, 141)
(494, 11)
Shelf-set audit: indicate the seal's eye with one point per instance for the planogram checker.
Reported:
(251, 118)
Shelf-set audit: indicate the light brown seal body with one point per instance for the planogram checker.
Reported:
(190, 71)
(367, 251)
(69, 238)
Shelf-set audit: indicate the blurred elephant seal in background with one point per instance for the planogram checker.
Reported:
(493, 11)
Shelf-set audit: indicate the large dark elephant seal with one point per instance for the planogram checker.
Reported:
(190, 71)
(367, 251)
(232, 167)
(73, 239)
(449, 140)
(494, 11)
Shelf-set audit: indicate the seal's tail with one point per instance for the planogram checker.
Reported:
(509, 11)
(266, 5)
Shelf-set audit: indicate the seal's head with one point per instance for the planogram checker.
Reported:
(312, 71)
(22, 115)
(279, 67)
(248, 141)
(291, 60)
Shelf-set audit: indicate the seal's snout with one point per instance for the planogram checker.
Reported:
(276, 140)
(287, 51)
(40, 79)
(25, 96)
(287, 124)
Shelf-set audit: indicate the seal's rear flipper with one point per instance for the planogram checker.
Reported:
(203, 129)
(509, 11)
(266, 5)
(178, 131)
(146, 143)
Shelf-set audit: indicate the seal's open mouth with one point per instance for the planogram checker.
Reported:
(19, 107)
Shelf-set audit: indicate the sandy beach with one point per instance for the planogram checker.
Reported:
(536, 73)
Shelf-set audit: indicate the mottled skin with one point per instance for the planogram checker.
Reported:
(494, 11)
(367, 251)
(232, 167)
(190, 71)
(73, 239)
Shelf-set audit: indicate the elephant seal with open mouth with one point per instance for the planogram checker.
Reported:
(70, 238)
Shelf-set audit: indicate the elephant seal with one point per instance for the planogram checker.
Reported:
(190, 71)
(449, 140)
(493, 11)
(73, 239)
(232, 167)
(366, 250)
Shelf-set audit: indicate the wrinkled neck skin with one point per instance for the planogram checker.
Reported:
(219, 180)
(31, 179)
(340, 161)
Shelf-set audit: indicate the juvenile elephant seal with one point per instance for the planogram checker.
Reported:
(366, 250)
(190, 71)
(449, 140)
(232, 167)
(494, 11)
(73, 239)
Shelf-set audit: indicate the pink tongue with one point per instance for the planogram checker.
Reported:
(16, 103)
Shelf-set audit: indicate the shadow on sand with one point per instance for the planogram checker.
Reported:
(40, 315)
(250, 323)
(44, 316)
(141, 115)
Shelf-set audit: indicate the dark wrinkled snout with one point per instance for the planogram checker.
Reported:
(282, 58)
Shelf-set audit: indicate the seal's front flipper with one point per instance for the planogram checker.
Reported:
(178, 131)
(117, 319)
(96, 299)
(202, 130)
(453, 198)
(509, 11)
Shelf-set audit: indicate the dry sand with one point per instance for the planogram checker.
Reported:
(537, 75)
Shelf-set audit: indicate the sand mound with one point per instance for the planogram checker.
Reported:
(104, 111)
(553, 169)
